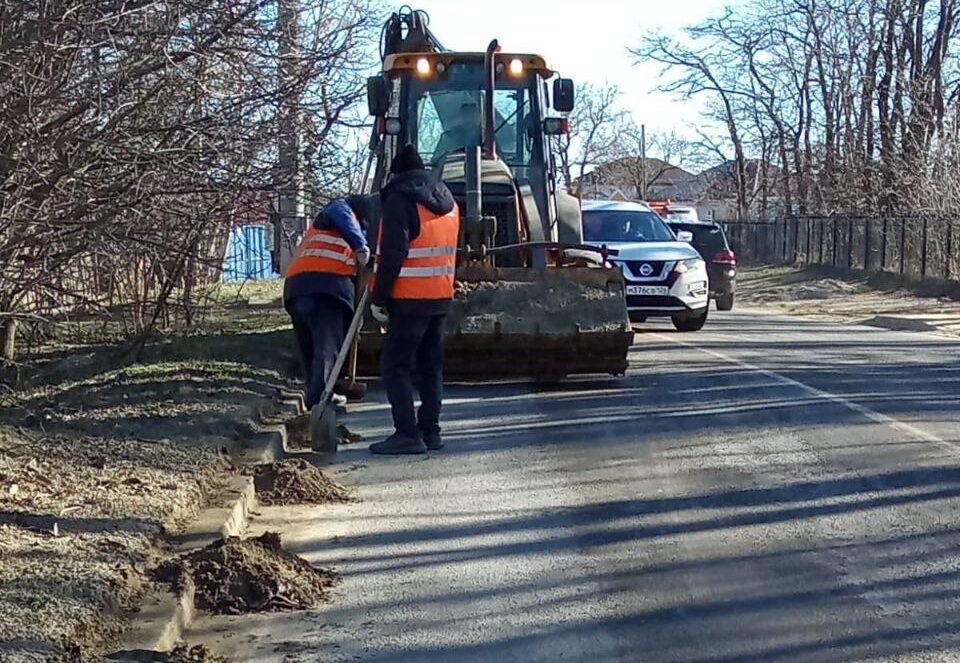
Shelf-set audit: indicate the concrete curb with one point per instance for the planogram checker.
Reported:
(164, 617)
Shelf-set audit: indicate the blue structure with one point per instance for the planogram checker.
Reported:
(247, 255)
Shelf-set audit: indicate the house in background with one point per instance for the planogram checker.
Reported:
(626, 177)
(712, 192)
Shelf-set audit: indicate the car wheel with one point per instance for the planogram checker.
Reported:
(637, 318)
(686, 323)
(725, 302)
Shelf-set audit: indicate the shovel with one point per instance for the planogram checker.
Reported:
(323, 416)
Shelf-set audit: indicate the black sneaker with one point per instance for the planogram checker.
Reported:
(433, 442)
(397, 445)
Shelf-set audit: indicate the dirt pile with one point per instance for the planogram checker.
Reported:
(295, 482)
(298, 431)
(845, 296)
(554, 306)
(236, 576)
(181, 654)
(819, 289)
(195, 654)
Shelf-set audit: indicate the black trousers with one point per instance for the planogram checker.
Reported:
(319, 322)
(414, 350)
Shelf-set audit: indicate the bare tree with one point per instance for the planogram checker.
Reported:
(833, 106)
(134, 134)
(596, 129)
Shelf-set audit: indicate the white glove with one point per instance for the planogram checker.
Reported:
(380, 314)
(362, 256)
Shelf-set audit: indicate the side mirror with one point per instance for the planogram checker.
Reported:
(556, 126)
(685, 236)
(378, 96)
(563, 95)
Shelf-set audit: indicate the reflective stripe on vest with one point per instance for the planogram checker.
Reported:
(431, 263)
(323, 252)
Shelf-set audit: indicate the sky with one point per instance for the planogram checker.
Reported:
(586, 40)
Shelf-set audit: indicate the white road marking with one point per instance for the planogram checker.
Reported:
(872, 415)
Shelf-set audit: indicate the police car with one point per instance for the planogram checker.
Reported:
(665, 276)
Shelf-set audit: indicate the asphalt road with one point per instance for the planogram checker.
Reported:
(767, 489)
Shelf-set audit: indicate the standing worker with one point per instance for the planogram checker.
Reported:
(318, 292)
(412, 291)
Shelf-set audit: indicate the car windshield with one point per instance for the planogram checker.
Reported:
(708, 239)
(624, 226)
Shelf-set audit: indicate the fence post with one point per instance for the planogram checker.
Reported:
(820, 256)
(833, 242)
(796, 239)
(903, 244)
(866, 245)
(784, 251)
(949, 269)
(883, 245)
(923, 250)
(756, 243)
(850, 243)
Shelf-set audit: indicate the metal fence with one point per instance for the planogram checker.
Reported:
(248, 254)
(917, 246)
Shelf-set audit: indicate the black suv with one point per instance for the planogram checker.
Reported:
(711, 243)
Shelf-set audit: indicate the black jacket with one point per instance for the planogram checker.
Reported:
(401, 225)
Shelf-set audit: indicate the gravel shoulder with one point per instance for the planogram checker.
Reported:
(850, 297)
(100, 460)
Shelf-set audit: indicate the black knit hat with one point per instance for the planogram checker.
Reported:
(407, 159)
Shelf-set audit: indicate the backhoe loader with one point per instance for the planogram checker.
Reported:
(532, 300)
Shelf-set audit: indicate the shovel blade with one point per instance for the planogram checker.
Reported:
(323, 429)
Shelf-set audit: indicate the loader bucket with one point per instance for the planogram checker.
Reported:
(529, 323)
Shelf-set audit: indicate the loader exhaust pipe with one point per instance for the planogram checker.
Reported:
(490, 67)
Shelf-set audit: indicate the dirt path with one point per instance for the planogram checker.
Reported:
(99, 461)
(844, 297)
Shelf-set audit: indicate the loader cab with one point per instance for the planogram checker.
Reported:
(438, 103)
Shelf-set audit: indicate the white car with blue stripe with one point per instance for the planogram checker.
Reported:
(664, 274)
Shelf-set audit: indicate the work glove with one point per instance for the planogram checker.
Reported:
(380, 314)
(362, 256)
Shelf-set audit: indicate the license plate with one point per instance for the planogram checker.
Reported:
(647, 290)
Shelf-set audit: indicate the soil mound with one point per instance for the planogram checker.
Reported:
(295, 482)
(236, 576)
(553, 306)
(182, 654)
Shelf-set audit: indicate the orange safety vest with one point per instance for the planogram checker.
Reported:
(323, 251)
(428, 271)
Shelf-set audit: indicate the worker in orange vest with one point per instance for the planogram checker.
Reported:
(319, 291)
(411, 294)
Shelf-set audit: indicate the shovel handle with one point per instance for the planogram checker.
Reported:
(344, 350)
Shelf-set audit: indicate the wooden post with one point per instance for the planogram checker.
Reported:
(10, 339)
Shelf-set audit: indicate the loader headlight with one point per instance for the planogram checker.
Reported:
(684, 266)
(423, 67)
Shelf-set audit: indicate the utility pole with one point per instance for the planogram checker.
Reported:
(289, 217)
(643, 162)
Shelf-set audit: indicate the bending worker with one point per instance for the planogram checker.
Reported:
(318, 292)
(412, 291)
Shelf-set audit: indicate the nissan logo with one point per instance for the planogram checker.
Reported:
(646, 270)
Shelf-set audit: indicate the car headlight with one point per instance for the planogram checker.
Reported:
(684, 266)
